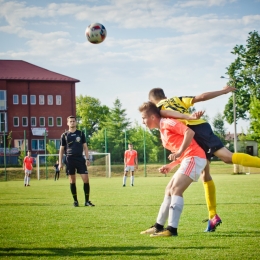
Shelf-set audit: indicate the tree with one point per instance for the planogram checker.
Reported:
(255, 119)
(51, 148)
(90, 114)
(244, 73)
(114, 125)
(218, 127)
(139, 137)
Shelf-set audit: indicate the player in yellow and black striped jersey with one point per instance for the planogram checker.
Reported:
(211, 144)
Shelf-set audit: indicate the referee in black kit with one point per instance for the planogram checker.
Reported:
(73, 142)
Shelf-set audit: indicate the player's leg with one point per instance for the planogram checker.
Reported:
(132, 175)
(86, 188)
(73, 188)
(58, 175)
(25, 178)
(210, 195)
(82, 170)
(125, 175)
(163, 211)
(210, 191)
(28, 178)
(237, 158)
(70, 168)
(188, 172)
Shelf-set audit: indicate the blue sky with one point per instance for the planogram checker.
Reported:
(181, 46)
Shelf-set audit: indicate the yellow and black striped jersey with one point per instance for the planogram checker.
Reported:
(180, 104)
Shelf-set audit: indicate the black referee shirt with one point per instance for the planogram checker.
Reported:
(73, 143)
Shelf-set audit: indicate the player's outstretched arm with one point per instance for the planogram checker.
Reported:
(209, 95)
(178, 115)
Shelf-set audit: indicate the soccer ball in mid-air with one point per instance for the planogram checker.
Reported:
(96, 33)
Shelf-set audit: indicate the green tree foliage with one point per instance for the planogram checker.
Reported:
(139, 136)
(21, 157)
(90, 114)
(244, 73)
(255, 119)
(51, 149)
(218, 127)
(115, 124)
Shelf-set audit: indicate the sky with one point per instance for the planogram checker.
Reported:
(183, 47)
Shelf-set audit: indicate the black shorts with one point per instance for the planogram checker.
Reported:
(76, 163)
(206, 139)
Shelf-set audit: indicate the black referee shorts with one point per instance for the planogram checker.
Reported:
(206, 139)
(74, 164)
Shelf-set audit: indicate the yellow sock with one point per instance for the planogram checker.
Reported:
(210, 196)
(246, 160)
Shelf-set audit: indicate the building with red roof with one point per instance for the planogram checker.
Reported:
(33, 101)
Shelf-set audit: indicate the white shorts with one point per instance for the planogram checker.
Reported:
(129, 168)
(28, 171)
(192, 167)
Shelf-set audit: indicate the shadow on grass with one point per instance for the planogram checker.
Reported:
(94, 251)
(238, 234)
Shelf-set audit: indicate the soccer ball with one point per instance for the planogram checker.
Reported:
(96, 33)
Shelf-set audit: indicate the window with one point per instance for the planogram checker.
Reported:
(2, 99)
(16, 121)
(33, 121)
(58, 121)
(41, 145)
(19, 143)
(41, 99)
(50, 100)
(24, 121)
(38, 144)
(58, 99)
(42, 121)
(50, 121)
(24, 99)
(15, 99)
(33, 100)
(3, 125)
(57, 144)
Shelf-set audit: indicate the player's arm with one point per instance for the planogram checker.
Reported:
(61, 152)
(178, 115)
(209, 95)
(188, 136)
(125, 159)
(85, 148)
(136, 161)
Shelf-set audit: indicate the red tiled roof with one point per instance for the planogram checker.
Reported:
(22, 70)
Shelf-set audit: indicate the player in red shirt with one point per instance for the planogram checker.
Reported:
(131, 161)
(27, 167)
(177, 138)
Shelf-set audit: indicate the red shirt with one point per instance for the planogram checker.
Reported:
(130, 157)
(28, 161)
(172, 134)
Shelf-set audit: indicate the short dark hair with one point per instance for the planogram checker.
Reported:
(150, 109)
(157, 94)
(69, 117)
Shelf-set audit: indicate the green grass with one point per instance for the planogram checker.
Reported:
(40, 221)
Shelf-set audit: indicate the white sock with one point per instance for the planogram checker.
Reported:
(124, 179)
(132, 180)
(29, 180)
(25, 179)
(164, 210)
(175, 211)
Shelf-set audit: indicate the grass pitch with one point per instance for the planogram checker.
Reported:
(40, 222)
